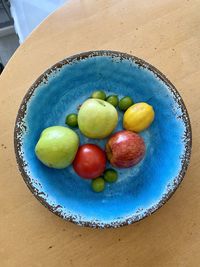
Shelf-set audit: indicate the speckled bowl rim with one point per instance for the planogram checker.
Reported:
(187, 137)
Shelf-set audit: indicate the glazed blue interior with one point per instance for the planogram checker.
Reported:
(138, 188)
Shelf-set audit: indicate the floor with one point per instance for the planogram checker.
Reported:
(8, 38)
(8, 45)
(3, 17)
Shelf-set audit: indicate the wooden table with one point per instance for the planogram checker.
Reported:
(164, 33)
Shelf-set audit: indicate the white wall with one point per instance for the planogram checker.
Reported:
(28, 14)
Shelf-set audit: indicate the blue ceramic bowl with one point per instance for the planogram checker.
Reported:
(140, 190)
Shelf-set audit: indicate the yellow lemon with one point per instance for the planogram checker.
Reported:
(138, 117)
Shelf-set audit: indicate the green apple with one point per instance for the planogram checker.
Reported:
(97, 118)
(57, 147)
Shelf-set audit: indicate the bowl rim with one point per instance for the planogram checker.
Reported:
(19, 127)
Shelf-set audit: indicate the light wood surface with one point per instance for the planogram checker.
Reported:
(165, 33)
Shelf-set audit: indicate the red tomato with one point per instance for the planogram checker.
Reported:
(90, 161)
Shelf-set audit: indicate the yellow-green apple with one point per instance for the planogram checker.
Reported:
(97, 118)
(125, 149)
(57, 147)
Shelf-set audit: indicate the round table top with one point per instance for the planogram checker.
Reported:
(164, 33)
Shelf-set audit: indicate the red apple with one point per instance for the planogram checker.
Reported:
(125, 149)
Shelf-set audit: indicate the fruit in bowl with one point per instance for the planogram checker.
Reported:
(125, 149)
(57, 147)
(97, 118)
(90, 161)
(138, 117)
